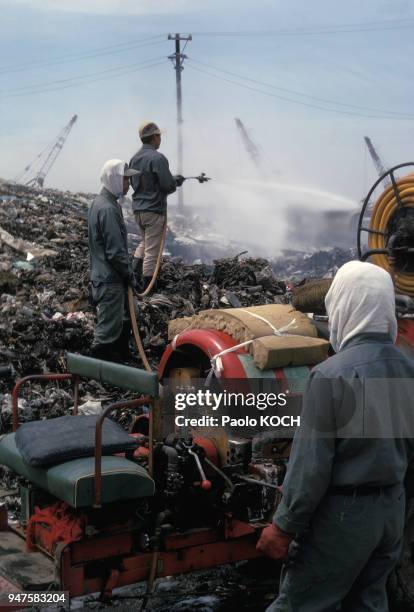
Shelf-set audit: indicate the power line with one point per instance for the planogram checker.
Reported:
(29, 88)
(299, 93)
(112, 76)
(375, 26)
(290, 100)
(109, 50)
(155, 39)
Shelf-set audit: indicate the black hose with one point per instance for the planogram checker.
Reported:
(154, 561)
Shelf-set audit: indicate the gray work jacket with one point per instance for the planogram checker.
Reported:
(154, 182)
(345, 438)
(107, 236)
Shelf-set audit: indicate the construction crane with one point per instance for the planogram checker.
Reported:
(250, 146)
(378, 163)
(46, 159)
(255, 152)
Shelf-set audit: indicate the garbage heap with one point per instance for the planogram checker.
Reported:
(45, 306)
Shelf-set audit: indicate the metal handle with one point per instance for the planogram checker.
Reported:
(98, 442)
(42, 378)
(205, 484)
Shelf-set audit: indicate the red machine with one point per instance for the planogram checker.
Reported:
(204, 498)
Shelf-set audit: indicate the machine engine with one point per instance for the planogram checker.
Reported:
(200, 479)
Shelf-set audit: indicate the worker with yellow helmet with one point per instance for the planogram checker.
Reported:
(149, 201)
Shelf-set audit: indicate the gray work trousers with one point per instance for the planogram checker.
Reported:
(110, 301)
(344, 561)
(151, 226)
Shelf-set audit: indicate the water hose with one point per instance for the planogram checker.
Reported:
(131, 301)
(158, 264)
(201, 178)
(135, 330)
(392, 199)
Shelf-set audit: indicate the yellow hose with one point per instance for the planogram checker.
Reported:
(383, 211)
(131, 302)
(158, 264)
(135, 330)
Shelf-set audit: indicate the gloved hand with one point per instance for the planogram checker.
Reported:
(179, 179)
(274, 542)
(135, 283)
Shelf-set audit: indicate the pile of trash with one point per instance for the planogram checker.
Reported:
(44, 279)
(46, 309)
(45, 305)
(184, 290)
(323, 263)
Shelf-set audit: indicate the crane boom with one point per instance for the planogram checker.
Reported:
(48, 156)
(256, 152)
(250, 146)
(379, 165)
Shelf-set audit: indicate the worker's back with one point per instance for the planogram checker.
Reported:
(107, 237)
(365, 394)
(343, 493)
(154, 181)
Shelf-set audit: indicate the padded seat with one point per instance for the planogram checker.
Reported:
(73, 481)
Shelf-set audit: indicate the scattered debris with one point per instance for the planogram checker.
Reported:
(45, 304)
(296, 265)
(23, 246)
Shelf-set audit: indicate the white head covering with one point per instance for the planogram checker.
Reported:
(112, 175)
(361, 300)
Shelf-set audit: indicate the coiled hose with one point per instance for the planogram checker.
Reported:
(383, 211)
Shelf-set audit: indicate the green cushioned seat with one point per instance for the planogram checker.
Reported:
(73, 481)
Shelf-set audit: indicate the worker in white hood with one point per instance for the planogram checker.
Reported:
(360, 300)
(115, 176)
(111, 270)
(341, 518)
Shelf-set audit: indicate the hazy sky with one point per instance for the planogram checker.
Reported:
(365, 69)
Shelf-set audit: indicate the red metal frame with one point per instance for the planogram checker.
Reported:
(98, 441)
(182, 553)
(42, 378)
(99, 423)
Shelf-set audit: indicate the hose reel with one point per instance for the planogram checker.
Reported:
(387, 224)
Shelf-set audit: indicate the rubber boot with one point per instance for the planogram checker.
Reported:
(121, 345)
(102, 351)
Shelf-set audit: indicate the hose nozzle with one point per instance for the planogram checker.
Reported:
(201, 178)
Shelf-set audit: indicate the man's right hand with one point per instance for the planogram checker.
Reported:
(179, 179)
(274, 542)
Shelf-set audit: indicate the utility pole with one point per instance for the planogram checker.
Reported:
(177, 59)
